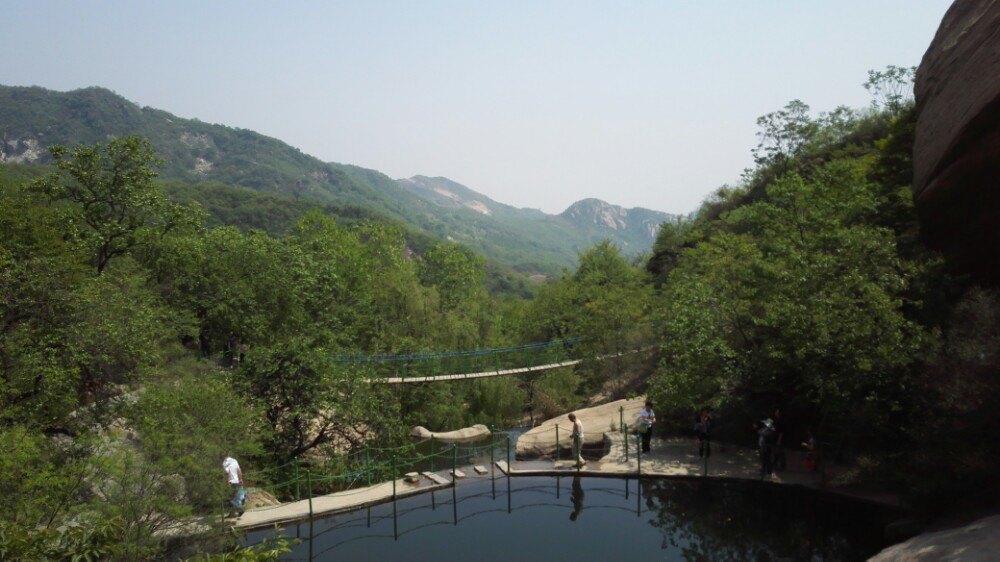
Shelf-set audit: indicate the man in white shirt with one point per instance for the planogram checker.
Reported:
(234, 476)
(577, 440)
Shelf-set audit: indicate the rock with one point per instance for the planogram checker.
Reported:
(259, 498)
(540, 441)
(463, 435)
(412, 477)
(976, 541)
(457, 474)
(956, 153)
(480, 469)
(435, 478)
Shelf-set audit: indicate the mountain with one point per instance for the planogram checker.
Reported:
(582, 224)
(194, 152)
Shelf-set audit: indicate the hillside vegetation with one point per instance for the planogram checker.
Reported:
(194, 152)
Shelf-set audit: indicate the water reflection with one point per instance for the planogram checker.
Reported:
(676, 520)
(577, 498)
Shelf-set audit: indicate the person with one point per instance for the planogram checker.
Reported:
(234, 476)
(647, 417)
(778, 460)
(812, 451)
(577, 440)
(703, 429)
(765, 442)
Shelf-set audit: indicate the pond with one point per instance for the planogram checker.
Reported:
(558, 518)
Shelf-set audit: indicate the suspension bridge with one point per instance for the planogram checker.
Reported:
(472, 364)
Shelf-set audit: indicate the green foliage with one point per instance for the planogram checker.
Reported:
(268, 550)
(194, 152)
(801, 301)
(188, 423)
(94, 541)
(892, 88)
(117, 201)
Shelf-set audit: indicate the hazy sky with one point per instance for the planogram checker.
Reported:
(536, 104)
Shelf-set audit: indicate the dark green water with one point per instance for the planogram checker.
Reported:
(598, 519)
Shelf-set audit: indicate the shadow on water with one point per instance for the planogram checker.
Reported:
(554, 518)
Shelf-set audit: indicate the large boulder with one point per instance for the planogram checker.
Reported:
(464, 435)
(540, 441)
(956, 153)
(979, 540)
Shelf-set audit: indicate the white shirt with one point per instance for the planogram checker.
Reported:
(646, 415)
(232, 469)
(579, 428)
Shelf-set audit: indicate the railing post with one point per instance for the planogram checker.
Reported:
(638, 451)
(621, 417)
(309, 483)
(625, 438)
(297, 492)
(394, 477)
(508, 455)
(557, 441)
(493, 461)
(368, 464)
(454, 463)
(432, 452)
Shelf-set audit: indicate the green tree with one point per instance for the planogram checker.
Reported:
(117, 201)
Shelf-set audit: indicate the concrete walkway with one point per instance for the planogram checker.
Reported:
(678, 458)
(335, 503)
(670, 458)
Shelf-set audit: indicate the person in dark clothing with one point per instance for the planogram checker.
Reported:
(647, 417)
(778, 460)
(703, 433)
(765, 442)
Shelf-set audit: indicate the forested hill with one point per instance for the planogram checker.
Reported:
(33, 118)
(583, 224)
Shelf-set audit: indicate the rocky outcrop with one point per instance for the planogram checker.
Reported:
(974, 542)
(956, 154)
(464, 435)
(540, 441)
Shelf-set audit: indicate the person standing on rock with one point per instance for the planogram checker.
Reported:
(647, 417)
(765, 442)
(234, 476)
(577, 440)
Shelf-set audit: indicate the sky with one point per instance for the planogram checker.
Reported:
(534, 104)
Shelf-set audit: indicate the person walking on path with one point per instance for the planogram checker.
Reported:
(778, 460)
(703, 431)
(647, 417)
(765, 442)
(577, 440)
(234, 476)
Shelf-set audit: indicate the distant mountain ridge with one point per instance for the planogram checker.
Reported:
(33, 118)
(593, 219)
